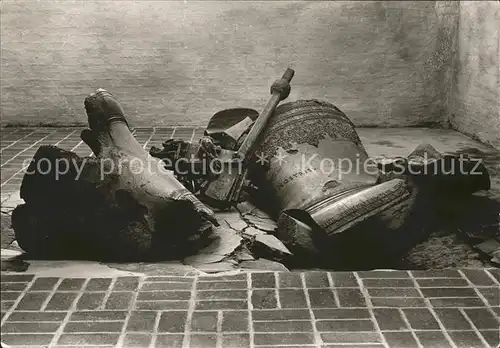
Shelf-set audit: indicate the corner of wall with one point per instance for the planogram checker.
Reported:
(447, 48)
(475, 95)
(448, 121)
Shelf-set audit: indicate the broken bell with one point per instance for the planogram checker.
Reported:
(117, 205)
(319, 177)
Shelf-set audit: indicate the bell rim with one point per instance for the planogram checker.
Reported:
(350, 203)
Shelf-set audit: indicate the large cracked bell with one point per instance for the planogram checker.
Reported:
(321, 183)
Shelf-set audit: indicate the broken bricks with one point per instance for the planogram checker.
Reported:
(237, 241)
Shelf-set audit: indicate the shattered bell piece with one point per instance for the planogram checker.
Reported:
(243, 255)
(252, 232)
(228, 126)
(223, 243)
(272, 243)
(190, 153)
(489, 246)
(264, 244)
(297, 234)
(117, 205)
(200, 162)
(236, 224)
(263, 224)
(249, 208)
(495, 256)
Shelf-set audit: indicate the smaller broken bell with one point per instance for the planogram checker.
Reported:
(117, 205)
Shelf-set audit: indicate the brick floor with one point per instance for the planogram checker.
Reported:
(445, 308)
(18, 145)
(310, 309)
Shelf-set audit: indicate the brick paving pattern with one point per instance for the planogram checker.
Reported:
(452, 308)
(19, 145)
(446, 308)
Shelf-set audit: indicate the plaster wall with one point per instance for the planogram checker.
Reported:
(475, 106)
(385, 63)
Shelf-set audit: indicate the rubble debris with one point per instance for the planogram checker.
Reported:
(263, 224)
(256, 218)
(438, 252)
(8, 235)
(15, 246)
(489, 246)
(10, 201)
(252, 232)
(247, 208)
(223, 242)
(238, 243)
(260, 232)
(272, 243)
(490, 249)
(118, 205)
(496, 258)
(441, 172)
(236, 224)
(243, 254)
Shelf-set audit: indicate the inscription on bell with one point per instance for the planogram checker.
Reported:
(294, 176)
